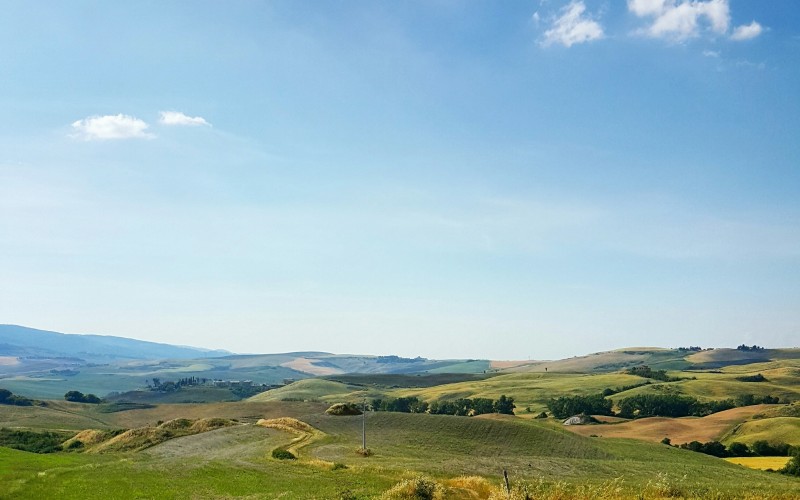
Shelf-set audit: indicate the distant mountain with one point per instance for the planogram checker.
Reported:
(21, 341)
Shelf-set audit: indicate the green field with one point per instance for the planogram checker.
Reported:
(777, 429)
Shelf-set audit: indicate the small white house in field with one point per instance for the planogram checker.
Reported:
(578, 420)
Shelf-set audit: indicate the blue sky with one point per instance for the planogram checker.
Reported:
(502, 180)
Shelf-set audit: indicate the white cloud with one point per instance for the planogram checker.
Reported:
(178, 118)
(573, 27)
(111, 127)
(711, 53)
(680, 20)
(747, 31)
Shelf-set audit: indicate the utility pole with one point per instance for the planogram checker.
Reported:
(364, 426)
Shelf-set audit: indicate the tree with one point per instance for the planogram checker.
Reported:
(74, 396)
(91, 399)
(505, 405)
(567, 406)
(738, 450)
(79, 397)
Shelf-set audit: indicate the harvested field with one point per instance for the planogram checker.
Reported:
(760, 463)
(678, 430)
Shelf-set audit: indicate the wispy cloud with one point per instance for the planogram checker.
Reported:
(178, 118)
(680, 20)
(747, 31)
(107, 127)
(572, 27)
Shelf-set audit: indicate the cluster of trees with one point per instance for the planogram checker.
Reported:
(751, 399)
(462, 407)
(649, 405)
(758, 449)
(752, 378)
(79, 397)
(647, 372)
(567, 406)
(749, 348)
(398, 359)
(694, 348)
(669, 405)
(170, 386)
(9, 398)
(34, 442)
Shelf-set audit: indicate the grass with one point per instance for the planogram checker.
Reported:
(777, 429)
(527, 389)
(313, 390)
(24, 475)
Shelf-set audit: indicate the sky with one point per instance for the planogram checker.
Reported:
(449, 179)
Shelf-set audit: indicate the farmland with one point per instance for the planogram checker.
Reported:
(192, 441)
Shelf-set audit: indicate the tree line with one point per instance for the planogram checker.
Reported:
(460, 407)
(9, 398)
(761, 448)
(650, 405)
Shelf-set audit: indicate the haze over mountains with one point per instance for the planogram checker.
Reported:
(23, 341)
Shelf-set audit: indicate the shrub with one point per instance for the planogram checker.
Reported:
(338, 466)
(364, 452)
(35, 442)
(281, 454)
(793, 467)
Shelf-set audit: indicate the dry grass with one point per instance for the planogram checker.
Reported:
(418, 487)
(306, 434)
(287, 424)
(144, 437)
(307, 365)
(89, 437)
(469, 487)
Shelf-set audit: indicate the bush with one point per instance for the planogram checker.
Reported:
(338, 466)
(364, 452)
(34, 442)
(793, 467)
(281, 454)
